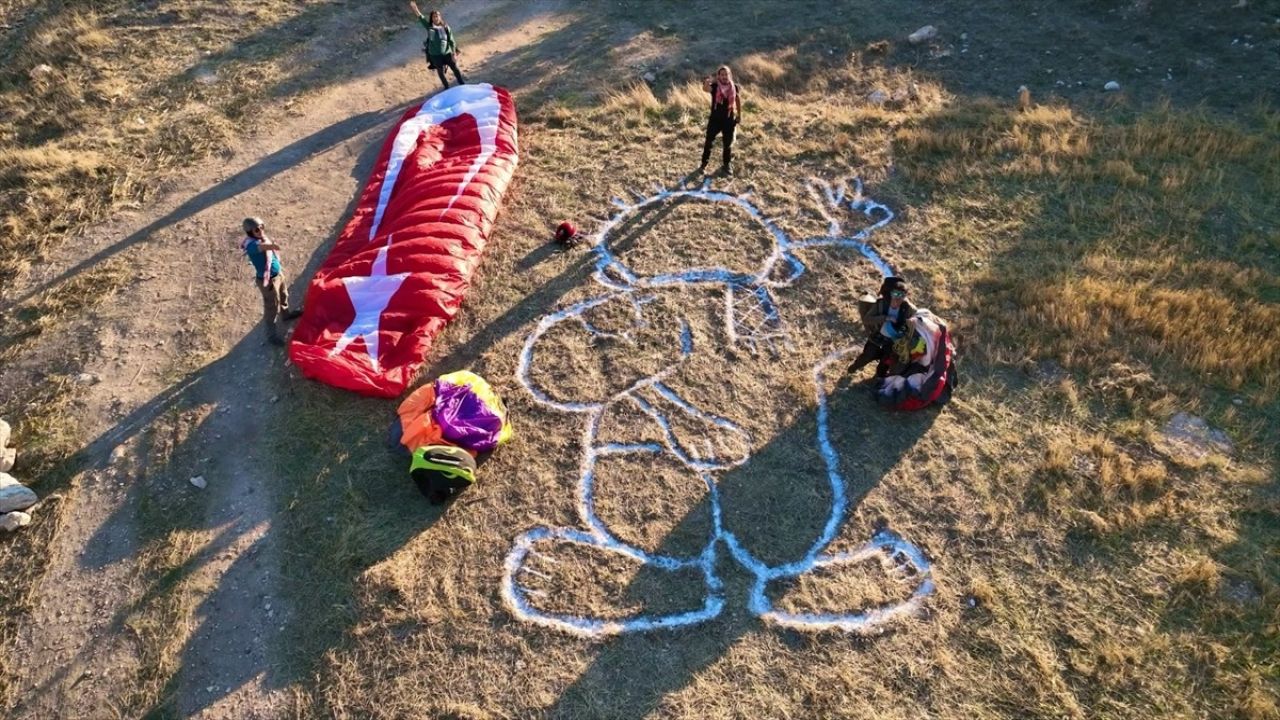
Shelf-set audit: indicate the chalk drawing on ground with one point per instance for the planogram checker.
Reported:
(752, 318)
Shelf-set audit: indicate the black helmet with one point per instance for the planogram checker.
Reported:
(441, 470)
(891, 283)
(253, 223)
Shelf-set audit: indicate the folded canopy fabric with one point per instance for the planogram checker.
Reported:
(401, 266)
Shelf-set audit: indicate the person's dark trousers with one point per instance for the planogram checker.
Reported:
(275, 300)
(719, 126)
(446, 61)
(877, 348)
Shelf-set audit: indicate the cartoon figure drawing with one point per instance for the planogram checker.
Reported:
(752, 318)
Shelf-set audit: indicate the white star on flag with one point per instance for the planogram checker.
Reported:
(369, 296)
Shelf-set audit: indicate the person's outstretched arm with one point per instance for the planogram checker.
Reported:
(421, 18)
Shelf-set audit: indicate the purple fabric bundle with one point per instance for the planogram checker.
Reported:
(469, 413)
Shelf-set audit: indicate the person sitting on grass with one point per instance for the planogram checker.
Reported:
(726, 113)
(886, 322)
(922, 367)
(265, 256)
(440, 47)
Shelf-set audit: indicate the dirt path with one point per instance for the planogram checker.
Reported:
(81, 652)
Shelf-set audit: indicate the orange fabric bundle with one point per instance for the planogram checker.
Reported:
(418, 426)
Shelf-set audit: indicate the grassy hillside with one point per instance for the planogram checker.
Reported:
(1106, 260)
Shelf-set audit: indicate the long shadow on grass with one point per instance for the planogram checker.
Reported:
(776, 505)
(252, 176)
(219, 424)
(161, 503)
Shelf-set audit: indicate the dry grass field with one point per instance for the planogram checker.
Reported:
(1106, 261)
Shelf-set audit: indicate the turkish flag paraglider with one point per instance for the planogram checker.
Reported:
(400, 267)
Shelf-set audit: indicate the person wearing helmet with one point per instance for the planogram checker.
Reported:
(885, 320)
(264, 254)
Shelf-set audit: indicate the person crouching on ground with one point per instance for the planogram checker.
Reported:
(886, 324)
(726, 112)
(265, 256)
(440, 46)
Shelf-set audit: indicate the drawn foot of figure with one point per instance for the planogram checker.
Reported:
(893, 590)
(592, 586)
(726, 170)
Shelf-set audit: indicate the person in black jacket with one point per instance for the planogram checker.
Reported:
(726, 112)
(886, 323)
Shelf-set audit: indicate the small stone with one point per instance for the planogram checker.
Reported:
(14, 495)
(199, 482)
(1111, 86)
(8, 456)
(275, 398)
(85, 378)
(40, 70)
(1241, 592)
(1188, 436)
(117, 454)
(878, 98)
(964, 37)
(924, 34)
(14, 520)
(649, 77)
(5, 431)
(1237, 401)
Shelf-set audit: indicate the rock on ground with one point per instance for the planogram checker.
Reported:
(8, 456)
(1186, 435)
(14, 520)
(5, 431)
(1111, 86)
(928, 32)
(14, 495)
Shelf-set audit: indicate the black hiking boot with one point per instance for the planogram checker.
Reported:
(288, 314)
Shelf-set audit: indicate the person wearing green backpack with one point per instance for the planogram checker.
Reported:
(440, 47)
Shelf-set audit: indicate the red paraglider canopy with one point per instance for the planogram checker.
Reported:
(401, 266)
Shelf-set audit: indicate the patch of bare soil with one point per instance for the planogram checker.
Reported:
(162, 594)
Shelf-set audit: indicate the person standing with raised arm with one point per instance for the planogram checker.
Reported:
(440, 47)
(726, 112)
